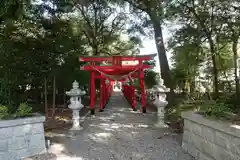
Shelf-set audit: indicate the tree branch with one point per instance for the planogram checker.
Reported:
(132, 3)
(81, 9)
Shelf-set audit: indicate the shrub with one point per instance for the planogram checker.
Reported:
(218, 110)
(24, 110)
(4, 112)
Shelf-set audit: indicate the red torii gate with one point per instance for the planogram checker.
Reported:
(116, 70)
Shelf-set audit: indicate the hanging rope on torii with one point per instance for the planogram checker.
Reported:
(117, 77)
(116, 71)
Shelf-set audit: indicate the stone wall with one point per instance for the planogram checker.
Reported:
(21, 138)
(207, 139)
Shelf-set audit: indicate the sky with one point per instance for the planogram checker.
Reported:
(149, 47)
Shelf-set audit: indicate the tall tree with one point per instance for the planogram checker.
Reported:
(102, 27)
(151, 14)
(202, 15)
(12, 9)
(229, 15)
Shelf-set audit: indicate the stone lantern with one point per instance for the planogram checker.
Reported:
(160, 102)
(75, 104)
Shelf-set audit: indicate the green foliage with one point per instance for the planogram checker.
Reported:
(180, 104)
(4, 92)
(12, 9)
(218, 110)
(35, 46)
(203, 45)
(24, 110)
(231, 99)
(4, 112)
(150, 78)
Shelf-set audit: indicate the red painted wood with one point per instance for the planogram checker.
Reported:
(134, 103)
(143, 94)
(92, 90)
(101, 94)
(134, 75)
(115, 69)
(122, 58)
(104, 93)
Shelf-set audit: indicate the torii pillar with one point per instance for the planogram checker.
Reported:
(92, 93)
(142, 86)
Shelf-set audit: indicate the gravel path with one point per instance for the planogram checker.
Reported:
(118, 133)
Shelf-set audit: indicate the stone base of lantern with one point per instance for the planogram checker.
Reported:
(76, 125)
(76, 120)
(160, 123)
(76, 128)
(160, 116)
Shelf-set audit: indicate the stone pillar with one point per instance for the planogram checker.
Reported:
(75, 104)
(75, 119)
(160, 102)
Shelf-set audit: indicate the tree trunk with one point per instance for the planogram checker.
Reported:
(37, 94)
(215, 70)
(236, 69)
(164, 66)
(215, 75)
(64, 97)
(45, 97)
(192, 85)
(54, 95)
(162, 57)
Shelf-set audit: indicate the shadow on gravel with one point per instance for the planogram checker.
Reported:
(117, 134)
